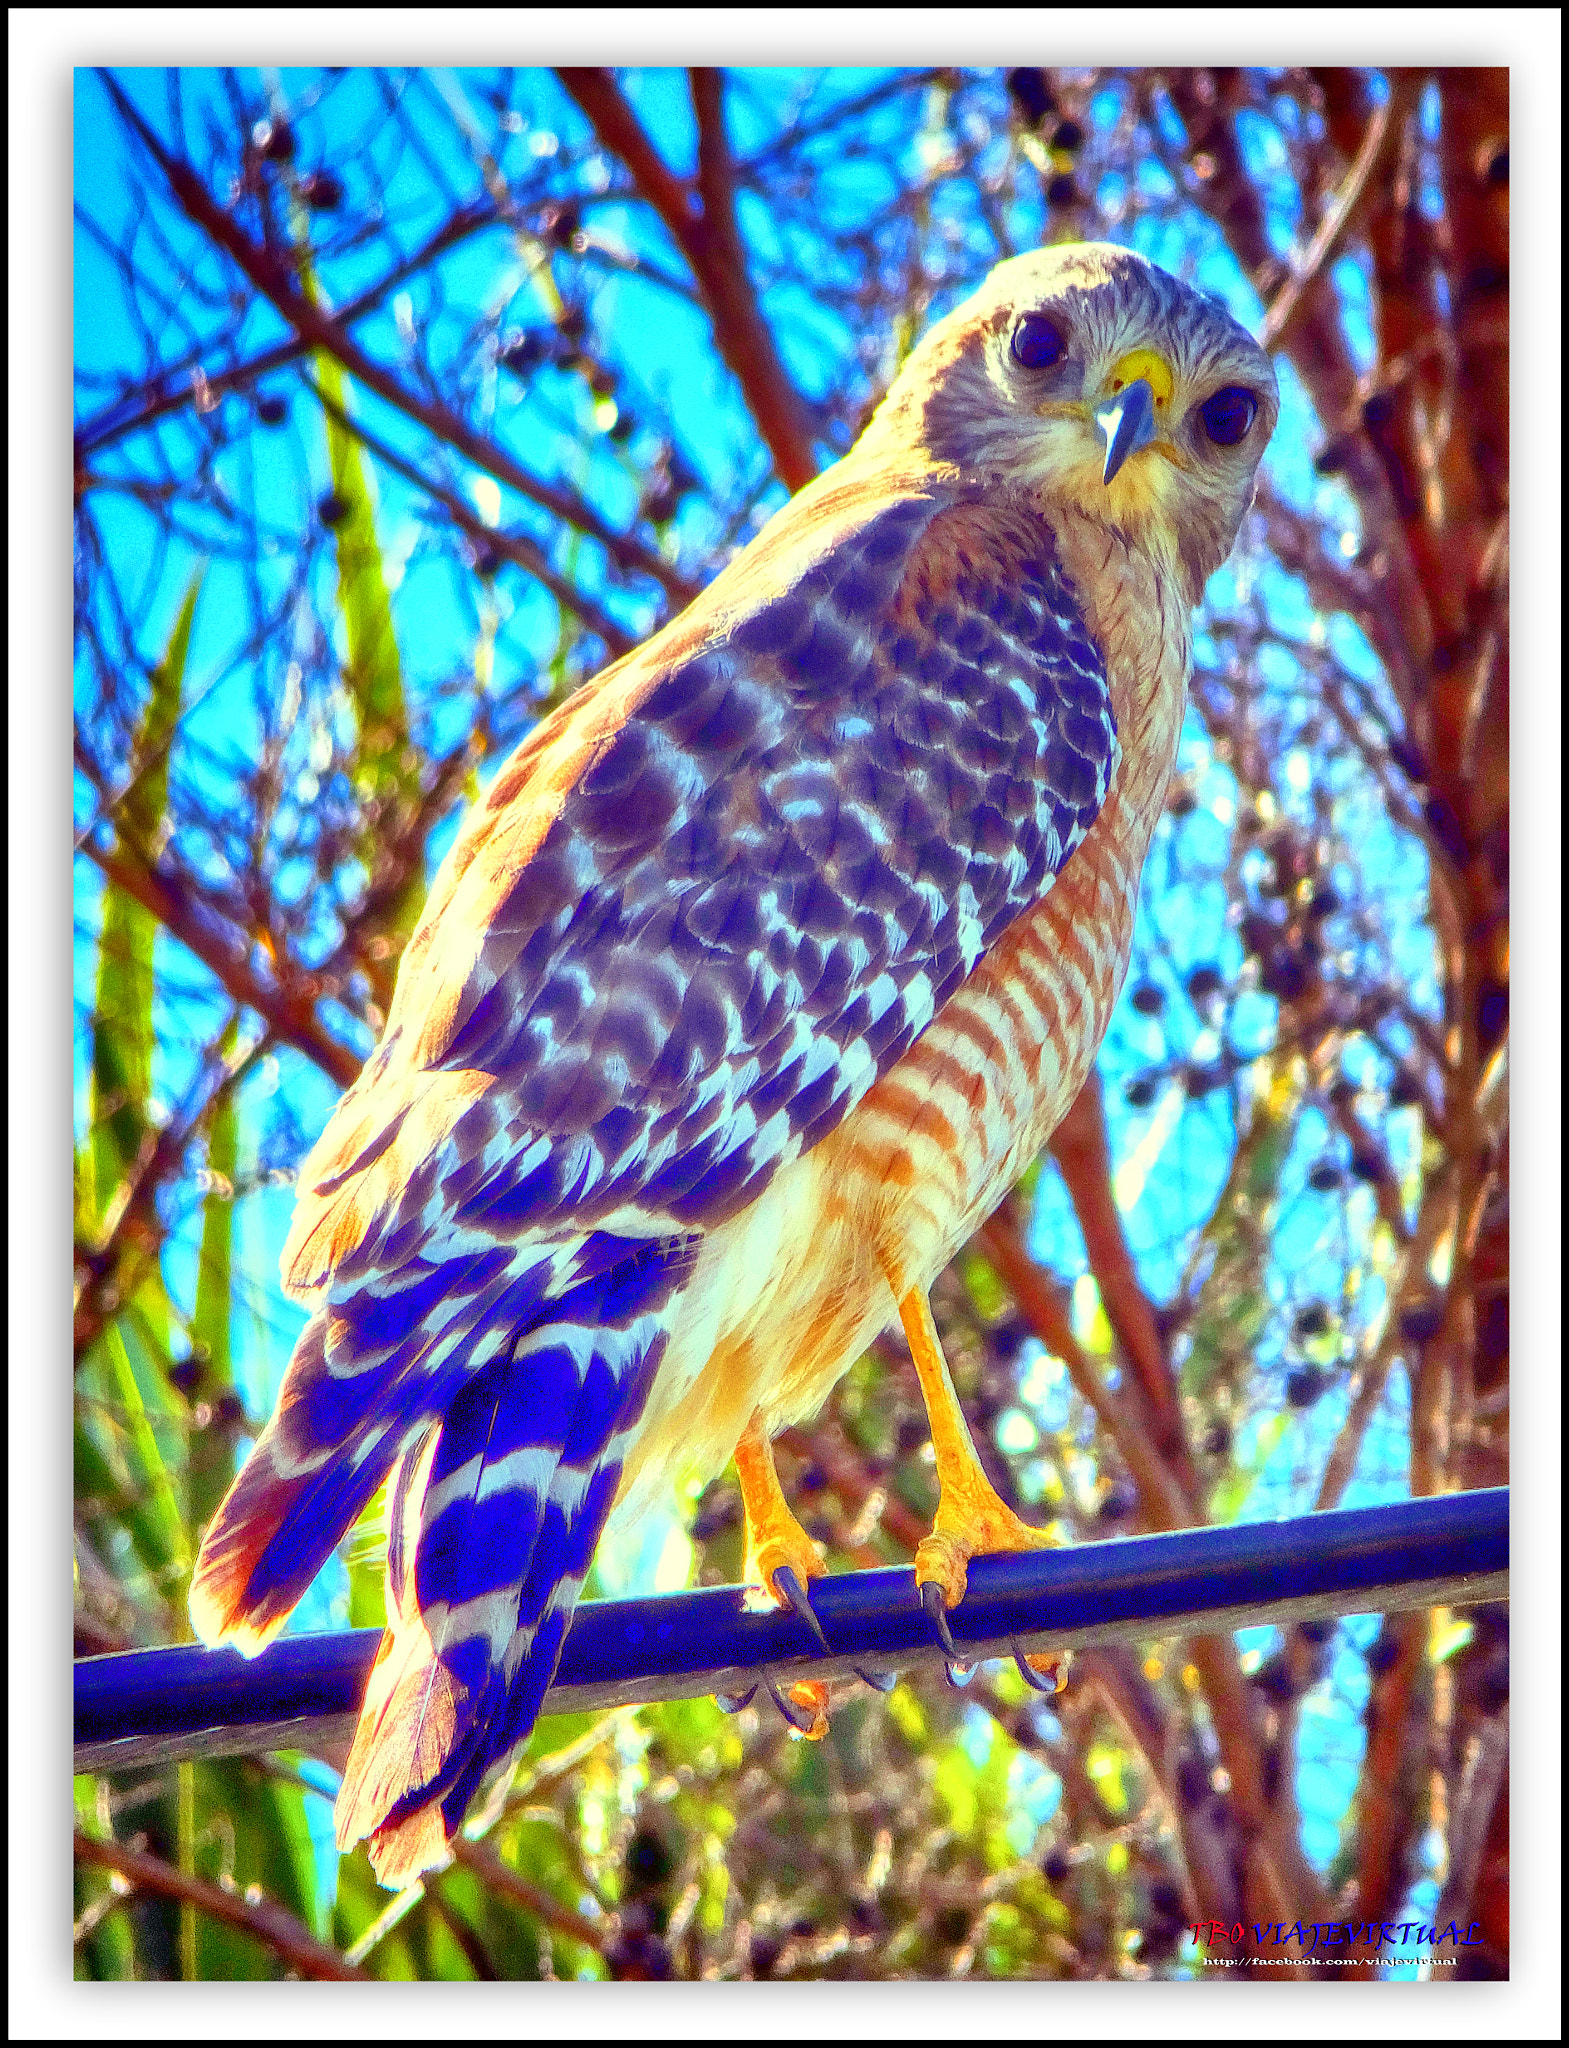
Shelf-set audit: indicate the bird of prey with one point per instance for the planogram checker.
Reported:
(763, 968)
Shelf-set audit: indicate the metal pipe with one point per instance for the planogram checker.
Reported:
(152, 1706)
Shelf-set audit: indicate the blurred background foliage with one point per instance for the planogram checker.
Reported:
(405, 399)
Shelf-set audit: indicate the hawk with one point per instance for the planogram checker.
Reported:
(759, 973)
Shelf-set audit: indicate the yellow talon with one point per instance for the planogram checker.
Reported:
(811, 1695)
(967, 1528)
(1051, 1666)
(783, 1559)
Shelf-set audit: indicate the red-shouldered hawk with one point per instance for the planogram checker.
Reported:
(760, 972)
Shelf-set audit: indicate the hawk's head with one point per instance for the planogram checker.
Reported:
(1095, 381)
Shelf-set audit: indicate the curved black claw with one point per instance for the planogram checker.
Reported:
(960, 1670)
(733, 1702)
(937, 1615)
(787, 1582)
(879, 1681)
(798, 1717)
(1033, 1679)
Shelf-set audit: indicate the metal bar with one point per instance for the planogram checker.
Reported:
(151, 1706)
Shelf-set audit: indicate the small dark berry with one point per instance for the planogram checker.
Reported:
(1031, 93)
(322, 191)
(274, 140)
(1283, 976)
(648, 1859)
(1304, 1386)
(1408, 758)
(1492, 1014)
(1204, 1078)
(1258, 933)
(525, 351)
(186, 1376)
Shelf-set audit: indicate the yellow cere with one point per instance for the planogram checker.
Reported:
(1153, 368)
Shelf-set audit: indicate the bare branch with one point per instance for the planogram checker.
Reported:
(287, 1005)
(515, 547)
(320, 330)
(709, 236)
(267, 1922)
(176, 387)
(1332, 229)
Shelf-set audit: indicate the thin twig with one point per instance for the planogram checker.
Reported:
(488, 1867)
(318, 329)
(269, 1922)
(1287, 302)
(704, 227)
(200, 928)
(518, 548)
(1036, 1298)
(174, 389)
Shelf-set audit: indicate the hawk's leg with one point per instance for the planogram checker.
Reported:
(775, 1540)
(971, 1518)
(784, 1559)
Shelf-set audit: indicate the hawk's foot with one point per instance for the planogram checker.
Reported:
(971, 1522)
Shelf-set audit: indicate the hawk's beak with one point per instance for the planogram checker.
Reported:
(1141, 386)
(1128, 424)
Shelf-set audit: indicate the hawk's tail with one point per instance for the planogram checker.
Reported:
(492, 1522)
(510, 1413)
(370, 1372)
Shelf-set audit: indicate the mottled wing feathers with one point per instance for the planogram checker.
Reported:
(366, 1135)
(688, 942)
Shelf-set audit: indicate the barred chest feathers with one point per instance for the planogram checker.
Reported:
(789, 1292)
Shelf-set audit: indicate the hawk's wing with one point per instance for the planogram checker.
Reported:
(708, 903)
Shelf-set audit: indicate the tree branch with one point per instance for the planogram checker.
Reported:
(273, 280)
(289, 1012)
(269, 1922)
(1037, 1300)
(517, 548)
(1331, 230)
(488, 1867)
(1082, 1152)
(173, 389)
(1314, 340)
(709, 237)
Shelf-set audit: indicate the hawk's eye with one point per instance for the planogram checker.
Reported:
(1228, 415)
(1038, 343)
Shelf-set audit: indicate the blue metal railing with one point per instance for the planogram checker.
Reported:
(303, 1692)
